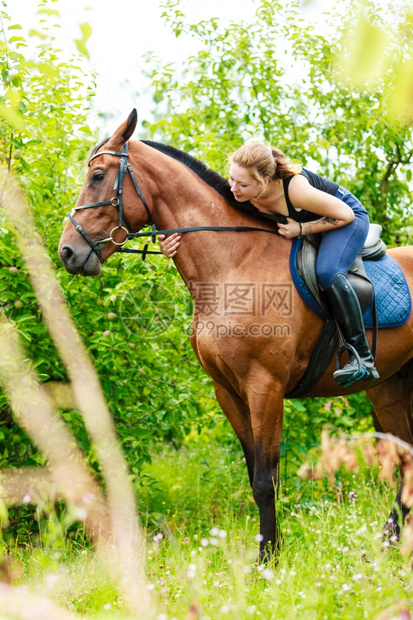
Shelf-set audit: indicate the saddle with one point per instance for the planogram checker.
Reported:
(373, 250)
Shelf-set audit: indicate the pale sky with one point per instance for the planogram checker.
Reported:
(125, 30)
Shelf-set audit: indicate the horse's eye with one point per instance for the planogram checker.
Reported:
(97, 177)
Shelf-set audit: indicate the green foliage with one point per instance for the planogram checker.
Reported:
(277, 79)
(334, 562)
(203, 554)
(133, 327)
(304, 421)
(44, 139)
(134, 321)
(135, 318)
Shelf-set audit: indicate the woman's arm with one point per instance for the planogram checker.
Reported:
(335, 213)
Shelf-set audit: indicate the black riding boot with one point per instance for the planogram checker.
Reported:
(346, 310)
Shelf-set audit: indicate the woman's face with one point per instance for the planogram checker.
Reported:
(242, 185)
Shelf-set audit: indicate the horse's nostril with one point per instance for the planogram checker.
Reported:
(66, 253)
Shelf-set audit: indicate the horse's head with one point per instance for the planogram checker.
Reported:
(97, 226)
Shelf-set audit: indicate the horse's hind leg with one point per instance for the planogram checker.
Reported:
(392, 402)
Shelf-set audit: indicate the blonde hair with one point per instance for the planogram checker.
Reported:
(264, 161)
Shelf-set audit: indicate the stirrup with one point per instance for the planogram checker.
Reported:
(356, 374)
(360, 373)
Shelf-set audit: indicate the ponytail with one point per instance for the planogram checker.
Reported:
(284, 167)
(264, 161)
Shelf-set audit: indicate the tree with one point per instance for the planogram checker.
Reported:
(152, 383)
(277, 79)
(44, 137)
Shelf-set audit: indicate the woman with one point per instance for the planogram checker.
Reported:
(266, 178)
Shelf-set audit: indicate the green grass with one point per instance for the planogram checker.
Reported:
(201, 526)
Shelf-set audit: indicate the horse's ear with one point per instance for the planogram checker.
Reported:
(130, 124)
(124, 131)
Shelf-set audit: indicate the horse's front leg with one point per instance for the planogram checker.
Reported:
(266, 407)
(239, 417)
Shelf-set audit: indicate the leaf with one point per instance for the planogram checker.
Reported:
(48, 70)
(366, 52)
(17, 40)
(11, 116)
(85, 129)
(50, 12)
(400, 99)
(86, 31)
(4, 515)
(37, 33)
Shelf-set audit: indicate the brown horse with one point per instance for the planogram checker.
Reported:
(252, 332)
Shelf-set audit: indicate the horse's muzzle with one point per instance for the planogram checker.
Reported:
(83, 261)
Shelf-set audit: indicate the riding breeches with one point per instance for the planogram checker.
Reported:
(340, 247)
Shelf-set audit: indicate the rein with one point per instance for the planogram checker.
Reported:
(117, 201)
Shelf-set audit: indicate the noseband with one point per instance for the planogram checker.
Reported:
(116, 201)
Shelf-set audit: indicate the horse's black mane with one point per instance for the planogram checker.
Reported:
(212, 178)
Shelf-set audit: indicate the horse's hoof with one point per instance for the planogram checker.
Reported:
(391, 531)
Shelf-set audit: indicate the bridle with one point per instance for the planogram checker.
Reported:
(123, 224)
(116, 201)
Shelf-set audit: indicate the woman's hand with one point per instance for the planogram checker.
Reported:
(169, 244)
(289, 230)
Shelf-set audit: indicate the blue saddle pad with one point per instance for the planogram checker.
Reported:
(392, 292)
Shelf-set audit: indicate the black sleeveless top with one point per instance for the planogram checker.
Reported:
(324, 185)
